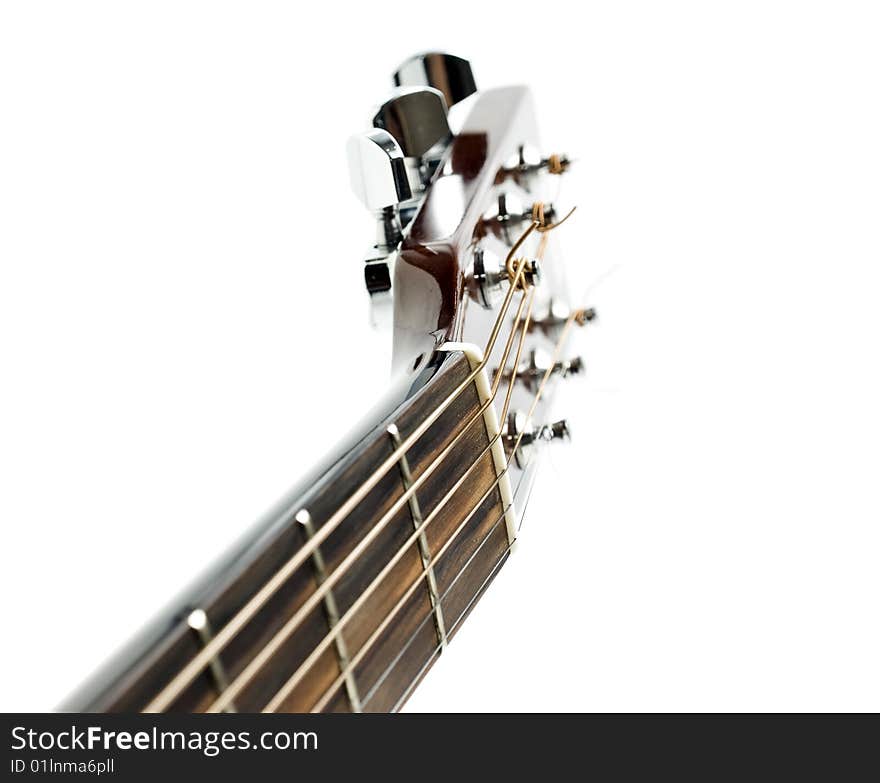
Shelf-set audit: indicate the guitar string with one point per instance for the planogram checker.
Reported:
(339, 625)
(322, 703)
(175, 687)
(317, 707)
(438, 649)
(304, 667)
(271, 647)
(246, 676)
(360, 654)
(577, 316)
(268, 650)
(332, 689)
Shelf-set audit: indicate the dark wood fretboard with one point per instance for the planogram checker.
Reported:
(393, 627)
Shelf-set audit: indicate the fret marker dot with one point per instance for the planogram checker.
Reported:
(197, 620)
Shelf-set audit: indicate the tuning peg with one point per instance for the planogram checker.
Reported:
(489, 277)
(511, 215)
(528, 164)
(533, 370)
(556, 316)
(416, 118)
(445, 72)
(557, 430)
(520, 437)
(377, 170)
(379, 179)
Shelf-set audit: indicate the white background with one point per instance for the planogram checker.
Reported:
(182, 327)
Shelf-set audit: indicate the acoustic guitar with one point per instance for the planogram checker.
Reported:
(342, 597)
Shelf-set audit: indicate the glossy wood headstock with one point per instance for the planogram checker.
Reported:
(485, 173)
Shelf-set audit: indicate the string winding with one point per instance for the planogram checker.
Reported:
(555, 164)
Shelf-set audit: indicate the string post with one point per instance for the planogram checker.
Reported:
(583, 316)
(557, 164)
(542, 213)
(531, 276)
(528, 166)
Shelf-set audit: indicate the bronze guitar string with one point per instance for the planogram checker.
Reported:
(303, 668)
(252, 669)
(279, 697)
(263, 656)
(328, 694)
(188, 673)
(498, 563)
(438, 649)
(176, 686)
(298, 675)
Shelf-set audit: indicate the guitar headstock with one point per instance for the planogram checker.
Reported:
(468, 206)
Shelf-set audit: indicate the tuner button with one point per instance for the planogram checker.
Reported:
(556, 316)
(378, 170)
(526, 167)
(521, 438)
(416, 118)
(486, 283)
(531, 371)
(511, 215)
(558, 430)
(539, 362)
(489, 277)
(445, 72)
(379, 179)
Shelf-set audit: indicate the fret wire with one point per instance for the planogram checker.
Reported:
(424, 550)
(187, 674)
(269, 649)
(303, 668)
(198, 621)
(332, 611)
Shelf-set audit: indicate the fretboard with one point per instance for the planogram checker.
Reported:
(349, 617)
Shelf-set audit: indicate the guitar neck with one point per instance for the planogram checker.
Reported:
(345, 594)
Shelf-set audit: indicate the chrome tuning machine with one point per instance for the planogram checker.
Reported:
(526, 167)
(520, 438)
(445, 72)
(490, 277)
(536, 366)
(416, 118)
(512, 215)
(379, 179)
(555, 317)
(393, 164)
